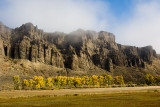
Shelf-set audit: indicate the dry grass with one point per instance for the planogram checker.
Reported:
(96, 97)
(83, 91)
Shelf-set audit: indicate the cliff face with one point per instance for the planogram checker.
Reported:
(78, 50)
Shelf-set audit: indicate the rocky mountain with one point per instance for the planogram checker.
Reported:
(78, 50)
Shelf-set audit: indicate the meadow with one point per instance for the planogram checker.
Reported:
(90, 97)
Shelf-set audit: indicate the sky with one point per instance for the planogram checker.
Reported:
(133, 22)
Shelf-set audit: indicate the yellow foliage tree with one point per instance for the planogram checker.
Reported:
(55, 81)
(157, 79)
(94, 79)
(16, 81)
(38, 82)
(49, 82)
(77, 81)
(118, 80)
(25, 84)
(86, 80)
(62, 80)
(149, 79)
(31, 83)
(101, 80)
(107, 79)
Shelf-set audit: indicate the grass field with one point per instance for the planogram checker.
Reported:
(110, 97)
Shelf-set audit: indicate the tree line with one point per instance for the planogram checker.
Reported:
(152, 79)
(38, 82)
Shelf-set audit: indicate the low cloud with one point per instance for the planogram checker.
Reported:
(143, 26)
(57, 15)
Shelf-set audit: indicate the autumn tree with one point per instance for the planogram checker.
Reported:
(107, 79)
(86, 80)
(101, 81)
(71, 81)
(62, 80)
(38, 82)
(31, 83)
(157, 79)
(49, 82)
(118, 80)
(25, 84)
(55, 81)
(94, 80)
(16, 81)
(149, 79)
(76, 81)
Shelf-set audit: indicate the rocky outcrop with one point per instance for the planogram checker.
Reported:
(78, 50)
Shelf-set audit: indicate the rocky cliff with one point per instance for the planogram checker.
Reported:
(78, 50)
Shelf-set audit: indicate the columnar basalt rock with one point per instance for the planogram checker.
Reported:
(78, 50)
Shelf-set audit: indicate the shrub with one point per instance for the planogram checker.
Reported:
(130, 84)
